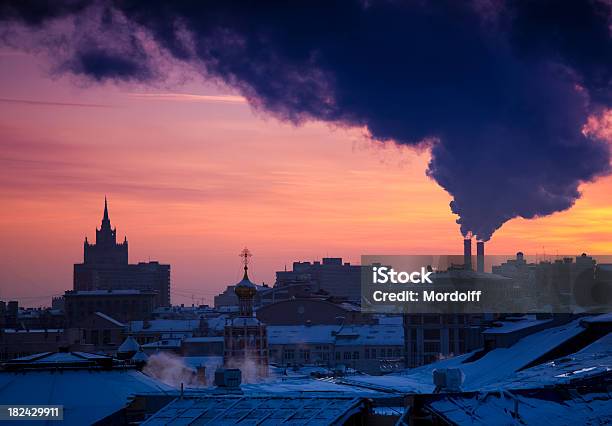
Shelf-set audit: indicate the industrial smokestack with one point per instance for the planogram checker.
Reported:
(480, 256)
(467, 254)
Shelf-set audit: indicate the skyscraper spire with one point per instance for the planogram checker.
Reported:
(106, 225)
(105, 217)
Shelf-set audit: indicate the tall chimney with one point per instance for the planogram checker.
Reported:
(467, 254)
(480, 256)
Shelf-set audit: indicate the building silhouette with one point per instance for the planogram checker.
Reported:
(246, 339)
(105, 267)
(337, 279)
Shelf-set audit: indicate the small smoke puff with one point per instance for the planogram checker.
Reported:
(171, 370)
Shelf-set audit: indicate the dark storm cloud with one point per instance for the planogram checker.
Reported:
(500, 89)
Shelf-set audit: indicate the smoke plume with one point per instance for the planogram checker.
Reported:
(172, 370)
(500, 90)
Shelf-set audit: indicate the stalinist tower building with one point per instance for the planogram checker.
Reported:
(105, 266)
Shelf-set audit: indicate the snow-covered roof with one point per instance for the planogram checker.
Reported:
(598, 319)
(205, 339)
(58, 358)
(593, 360)
(110, 319)
(374, 334)
(297, 334)
(129, 345)
(494, 367)
(217, 323)
(544, 407)
(140, 356)
(268, 409)
(162, 325)
(73, 389)
(503, 327)
(244, 321)
(163, 344)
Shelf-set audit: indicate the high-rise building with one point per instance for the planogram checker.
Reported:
(336, 278)
(105, 267)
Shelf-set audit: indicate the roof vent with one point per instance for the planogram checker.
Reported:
(228, 377)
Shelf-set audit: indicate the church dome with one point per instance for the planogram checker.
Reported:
(245, 288)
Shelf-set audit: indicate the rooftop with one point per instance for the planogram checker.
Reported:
(107, 292)
(375, 334)
(261, 410)
(73, 390)
(492, 368)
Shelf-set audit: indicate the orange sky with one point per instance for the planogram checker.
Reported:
(193, 179)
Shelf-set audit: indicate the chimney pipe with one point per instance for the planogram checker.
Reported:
(467, 254)
(480, 256)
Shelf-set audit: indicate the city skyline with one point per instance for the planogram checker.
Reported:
(95, 140)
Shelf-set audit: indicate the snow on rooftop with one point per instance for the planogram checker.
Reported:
(162, 325)
(59, 358)
(163, 344)
(140, 356)
(110, 319)
(603, 318)
(593, 360)
(376, 334)
(510, 409)
(204, 339)
(74, 389)
(244, 321)
(525, 322)
(495, 366)
(129, 345)
(296, 334)
(268, 410)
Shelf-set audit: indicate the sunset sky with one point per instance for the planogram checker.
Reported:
(193, 174)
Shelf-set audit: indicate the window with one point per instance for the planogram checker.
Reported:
(356, 355)
(367, 354)
(289, 353)
(337, 356)
(431, 347)
(347, 355)
(373, 352)
(305, 354)
(431, 319)
(431, 334)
